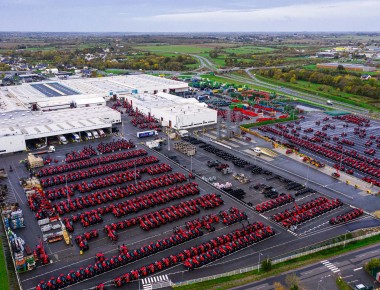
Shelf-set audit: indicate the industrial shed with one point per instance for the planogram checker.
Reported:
(17, 127)
(177, 112)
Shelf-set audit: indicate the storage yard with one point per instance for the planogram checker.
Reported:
(128, 214)
(350, 143)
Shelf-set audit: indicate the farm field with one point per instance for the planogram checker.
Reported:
(249, 49)
(174, 48)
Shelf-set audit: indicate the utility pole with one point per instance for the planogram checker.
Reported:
(258, 265)
(135, 173)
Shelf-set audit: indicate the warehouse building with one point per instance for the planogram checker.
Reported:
(40, 110)
(175, 112)
(19, 126)
(347, 66)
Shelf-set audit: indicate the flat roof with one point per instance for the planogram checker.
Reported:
(36, 124)
(29, 93)
(163, 104)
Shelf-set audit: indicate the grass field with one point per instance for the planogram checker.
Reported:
(174, 48)
(4, 282)
(359, 101)
(249, 49)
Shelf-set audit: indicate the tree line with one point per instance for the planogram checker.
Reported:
(339, 79)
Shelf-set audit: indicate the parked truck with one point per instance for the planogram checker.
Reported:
(62, 139)
(74, 137)
(149, 133)
(48, 150)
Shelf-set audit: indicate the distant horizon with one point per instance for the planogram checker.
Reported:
(197, 32)
(164, 16)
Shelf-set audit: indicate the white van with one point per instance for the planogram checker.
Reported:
(101, 133)
(75, 137)
(183, 133)
(88, 135)
(62, 139)
(95, 134)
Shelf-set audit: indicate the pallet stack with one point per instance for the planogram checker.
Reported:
(14, 219)
(35, 161)
(185, 148)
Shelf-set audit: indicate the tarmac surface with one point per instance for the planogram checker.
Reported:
(322, 275)
(65, 257)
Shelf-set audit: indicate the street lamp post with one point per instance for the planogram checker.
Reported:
(345, 237)
(135, 173)
(258, 265)
(307, 175)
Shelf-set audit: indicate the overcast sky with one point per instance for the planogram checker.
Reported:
(189, 15)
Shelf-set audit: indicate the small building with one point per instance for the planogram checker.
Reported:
(347, 66)
(326, 54)
(365, 77)
(51, 71)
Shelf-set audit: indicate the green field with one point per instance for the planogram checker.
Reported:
(174, 48)
(249, 49)
(4, 282)
(308, 87)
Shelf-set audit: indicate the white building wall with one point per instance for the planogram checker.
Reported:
(13, 143)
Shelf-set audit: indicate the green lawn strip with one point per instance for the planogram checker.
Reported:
(341, 284)
(4, 282)
(116, 71)
(269, 122)
(245, 278)
(318, 93)
(232, 81)
(249, 49)
(332, 90)
(219, 61)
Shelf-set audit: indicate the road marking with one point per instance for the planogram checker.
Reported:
(330, 266)
(357, 269)
(347, 276)
(353, 281)
(262, 286)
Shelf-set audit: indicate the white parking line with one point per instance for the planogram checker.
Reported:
(357, 269)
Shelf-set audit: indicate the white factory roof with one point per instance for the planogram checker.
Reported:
(148, 83)
(92, 87)
(162, 100)
(67, 100)
(41, 124)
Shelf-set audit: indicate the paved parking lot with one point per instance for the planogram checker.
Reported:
(65, 258)
(341, 128)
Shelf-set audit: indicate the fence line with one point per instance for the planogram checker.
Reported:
(11, 252)
(276, 261)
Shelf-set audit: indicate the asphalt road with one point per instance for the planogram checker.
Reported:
(322, 275)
